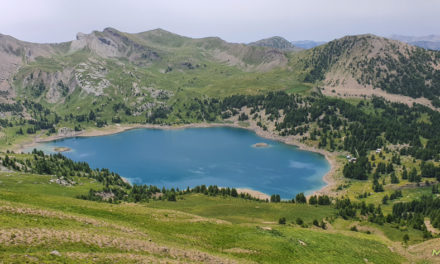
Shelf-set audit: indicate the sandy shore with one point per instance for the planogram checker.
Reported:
(253, 193)
(329, 178)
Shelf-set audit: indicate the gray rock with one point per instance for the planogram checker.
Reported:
(55, 253)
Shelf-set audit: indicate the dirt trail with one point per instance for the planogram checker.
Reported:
(430, 228)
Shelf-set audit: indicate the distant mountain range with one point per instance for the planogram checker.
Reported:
(154, 68)
(283, 44)
(431, 42)
(307, 44)
(277, 43)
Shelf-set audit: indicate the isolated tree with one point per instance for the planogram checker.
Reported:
(435, 189)
(313, 200)
(404, 173)
(405, 239)
(323, 200)
(300, 198)
(394, 178)
(172, 197)
(275, 198)
(92, 115)
(385, 199)
(282, 221)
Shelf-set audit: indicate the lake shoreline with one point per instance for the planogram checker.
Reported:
(329, 178)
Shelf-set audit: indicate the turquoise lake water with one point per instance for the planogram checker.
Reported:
(212, 156)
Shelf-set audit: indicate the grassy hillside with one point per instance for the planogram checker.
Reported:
(368, 61)
(39, 216)
(112, 67)
(112, 78)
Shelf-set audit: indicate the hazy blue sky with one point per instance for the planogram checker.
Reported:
(232, 20)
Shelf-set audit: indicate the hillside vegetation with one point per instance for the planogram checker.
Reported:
(40, 215)
(115, 68)
(368, 61)
(351, 98)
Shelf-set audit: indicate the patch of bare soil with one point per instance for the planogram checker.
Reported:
(430, 228)
(239, 251)
(424, 250)
(345, 86)
(119, 258)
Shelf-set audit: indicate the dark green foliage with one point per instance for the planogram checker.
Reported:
(377, 187)
(413, 176)
(157, 114)
(234, 192)
(404, 173)
(64, 88)
(313, 200)
(396, 195)
(92, 115)
(275, 198)
(435, 189)
(385, 199)
(101, 123)
(315, 222)
(282, 221)
(346, 208)
(243, 117)
(172, 197)
(15, 107)
(394, 178)
(357, 170)
(410, 73)
(300, 198)
(429, 170)
(415, 211)
(38, 89)
(405, 238)
(324, 200)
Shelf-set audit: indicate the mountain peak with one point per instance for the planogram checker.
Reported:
(431, 42)
(275, 42)
(307, 44)
(109, 29)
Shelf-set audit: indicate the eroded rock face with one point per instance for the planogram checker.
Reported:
(54, 86)
(14, 54)
(114, 44)
(101, 46)
(91, 78)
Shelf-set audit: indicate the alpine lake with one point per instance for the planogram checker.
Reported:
(181, 158)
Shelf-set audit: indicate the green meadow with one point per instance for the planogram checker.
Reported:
(39, 217)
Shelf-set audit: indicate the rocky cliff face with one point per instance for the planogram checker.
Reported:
(14, 54)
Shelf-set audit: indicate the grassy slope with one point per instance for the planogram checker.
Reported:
(31, 208)
(174, 224)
